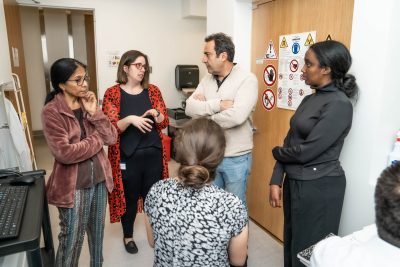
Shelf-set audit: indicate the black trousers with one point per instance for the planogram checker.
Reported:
(312, 210)
(143, 169)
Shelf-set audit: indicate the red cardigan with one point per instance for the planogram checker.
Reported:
(111, 107)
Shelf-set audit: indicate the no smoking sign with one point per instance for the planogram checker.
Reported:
(268, 99)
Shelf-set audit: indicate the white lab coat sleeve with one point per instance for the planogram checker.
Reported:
(18, 138)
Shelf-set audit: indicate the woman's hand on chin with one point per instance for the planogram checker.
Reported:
(89, 102)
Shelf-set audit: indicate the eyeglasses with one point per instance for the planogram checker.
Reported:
(81, 81)
(139, 66)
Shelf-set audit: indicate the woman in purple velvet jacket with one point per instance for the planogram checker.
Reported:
(76, 130)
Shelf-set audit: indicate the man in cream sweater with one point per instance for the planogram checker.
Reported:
(227, 95)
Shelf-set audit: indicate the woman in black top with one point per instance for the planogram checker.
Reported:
(314, 184)
(137, 110)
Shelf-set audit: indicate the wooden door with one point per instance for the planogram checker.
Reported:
(270, 20)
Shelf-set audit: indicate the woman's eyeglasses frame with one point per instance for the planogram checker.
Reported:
(140, 66)
(81, 81)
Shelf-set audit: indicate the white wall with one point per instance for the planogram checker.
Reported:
(233, 17)
(221, 16)
(155, 27)
(242, 32)
(374, 47)
(5, 64)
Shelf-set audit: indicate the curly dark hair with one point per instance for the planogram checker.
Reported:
(387, 205)
(223, 43)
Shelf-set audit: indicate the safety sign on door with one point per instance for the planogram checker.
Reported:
(269, 75)
(268, 99)
(294, 65)
(292, 50)
(270, 53)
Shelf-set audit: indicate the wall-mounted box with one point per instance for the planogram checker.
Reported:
(194, 9)
(186, 76)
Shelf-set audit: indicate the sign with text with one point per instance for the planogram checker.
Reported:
(292, 50)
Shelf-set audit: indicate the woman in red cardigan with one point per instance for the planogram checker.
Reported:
(137, 110)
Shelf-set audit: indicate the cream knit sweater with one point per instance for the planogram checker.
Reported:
(242, 88)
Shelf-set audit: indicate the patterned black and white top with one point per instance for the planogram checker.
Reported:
(192, 227)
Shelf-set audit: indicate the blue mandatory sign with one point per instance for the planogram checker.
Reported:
(295, 48)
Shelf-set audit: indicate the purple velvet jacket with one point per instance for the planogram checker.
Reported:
(62, 132)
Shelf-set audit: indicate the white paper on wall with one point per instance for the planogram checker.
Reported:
(291, 87)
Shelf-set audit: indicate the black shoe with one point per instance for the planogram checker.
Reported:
(131, 247)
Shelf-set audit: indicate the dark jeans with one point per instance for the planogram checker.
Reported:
(143, 169)
(312, 210)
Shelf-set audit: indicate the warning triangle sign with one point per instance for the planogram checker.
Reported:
(328, 38)
(270, 53)
(309, 40)
(283, 43)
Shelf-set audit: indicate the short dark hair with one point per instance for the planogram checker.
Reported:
(387, 205)
(200, 147)
(336, 56)
(127, 58)
(60, 72)
(223, 43)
